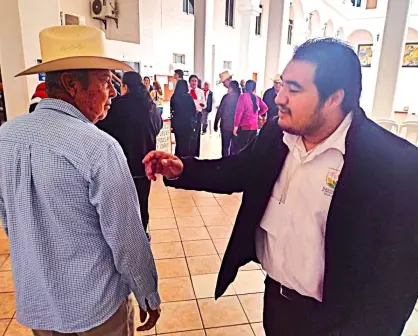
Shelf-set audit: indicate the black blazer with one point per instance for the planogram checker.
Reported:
(209, 101)
(371, 243)
(269, 97)
(134, 127)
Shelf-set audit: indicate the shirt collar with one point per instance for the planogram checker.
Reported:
(336, 140)
(62, 107)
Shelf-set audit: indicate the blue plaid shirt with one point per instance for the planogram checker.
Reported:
(69, 206)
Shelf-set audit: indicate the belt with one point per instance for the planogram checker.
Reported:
(283, 291)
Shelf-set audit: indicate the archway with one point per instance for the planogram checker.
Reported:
(315, 29)
(329, 29)
(297, 23)
(340, 34)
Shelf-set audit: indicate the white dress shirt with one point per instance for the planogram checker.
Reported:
(291, 236)
(200, 99)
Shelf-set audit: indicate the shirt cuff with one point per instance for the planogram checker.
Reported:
(153, 301)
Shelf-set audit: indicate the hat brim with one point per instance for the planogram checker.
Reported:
(77, 63)
(224, 79)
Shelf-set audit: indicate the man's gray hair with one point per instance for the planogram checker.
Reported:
(53, 82)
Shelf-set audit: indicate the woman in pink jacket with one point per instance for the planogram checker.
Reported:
(249, 108)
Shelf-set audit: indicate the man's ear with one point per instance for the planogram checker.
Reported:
(336, 99)
(69, 84)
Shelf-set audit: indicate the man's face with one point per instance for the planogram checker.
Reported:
(206, 87)
(242, 83)
(176, 76)
(300, 112)
(277, 85)
(193, 83)
(226, 82)
(95, 99)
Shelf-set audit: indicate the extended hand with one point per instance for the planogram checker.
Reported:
(154, 315)
(162, 163)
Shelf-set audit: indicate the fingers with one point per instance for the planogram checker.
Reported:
(142, 315)
(154, 315)
(154, 155)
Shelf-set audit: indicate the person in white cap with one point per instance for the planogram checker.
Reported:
(68, 202)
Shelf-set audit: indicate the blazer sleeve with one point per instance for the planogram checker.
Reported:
(239, 110)
(209, 102)
(220, 111)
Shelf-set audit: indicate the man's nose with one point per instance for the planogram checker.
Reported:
(282, 98)
(113, 93)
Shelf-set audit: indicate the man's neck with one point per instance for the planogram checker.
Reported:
(324, 132)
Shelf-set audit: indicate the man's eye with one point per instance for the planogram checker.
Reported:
(293, 91)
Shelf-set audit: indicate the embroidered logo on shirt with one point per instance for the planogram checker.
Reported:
(332, 178)
(331, 182)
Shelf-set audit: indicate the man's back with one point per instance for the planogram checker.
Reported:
(59, 217)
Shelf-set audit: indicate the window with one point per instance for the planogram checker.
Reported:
(188, 6)
(229, 13)
(228, 65)
(258, 22)
(179, 58)
(290, 32)
(356, 3)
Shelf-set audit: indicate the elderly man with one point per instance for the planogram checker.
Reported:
(68, 202)
(225, 78)
(270, 95)
(329, 206)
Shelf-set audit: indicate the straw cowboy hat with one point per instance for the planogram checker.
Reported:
(71, 48)
(224, 76)
(277, 78)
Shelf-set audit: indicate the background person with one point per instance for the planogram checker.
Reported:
(134, 121)
(183, 119)
(249, 108)
(158, 97)
(226, 117)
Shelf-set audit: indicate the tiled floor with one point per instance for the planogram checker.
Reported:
(190, 231)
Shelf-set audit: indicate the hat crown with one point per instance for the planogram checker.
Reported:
(71, 41)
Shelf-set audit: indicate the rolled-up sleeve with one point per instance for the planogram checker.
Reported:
(114, 196)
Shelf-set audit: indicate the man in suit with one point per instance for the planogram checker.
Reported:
(205, 112)
(269, 97)
(200, 103)
(329, 206)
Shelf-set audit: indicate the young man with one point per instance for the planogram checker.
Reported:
(329, 205)
(209, 102)
(68, 202)
(269, 97)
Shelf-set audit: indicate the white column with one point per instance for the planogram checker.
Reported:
(20, 24)
(248, 10)
(277, 31)
(203, 39)
(393, 42)
(367, 104)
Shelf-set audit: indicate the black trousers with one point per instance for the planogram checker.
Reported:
(143, 188)
(185, 144)
(245, 137)
(226, 137)
(300, 316)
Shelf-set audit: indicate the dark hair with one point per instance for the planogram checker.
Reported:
(179, 72)
(132, 80)
(337, 68)
(181, 88)
(250, 86)
(199, 83)
(234, 85)
(157, 87)
(193, 76)
(53, 80)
